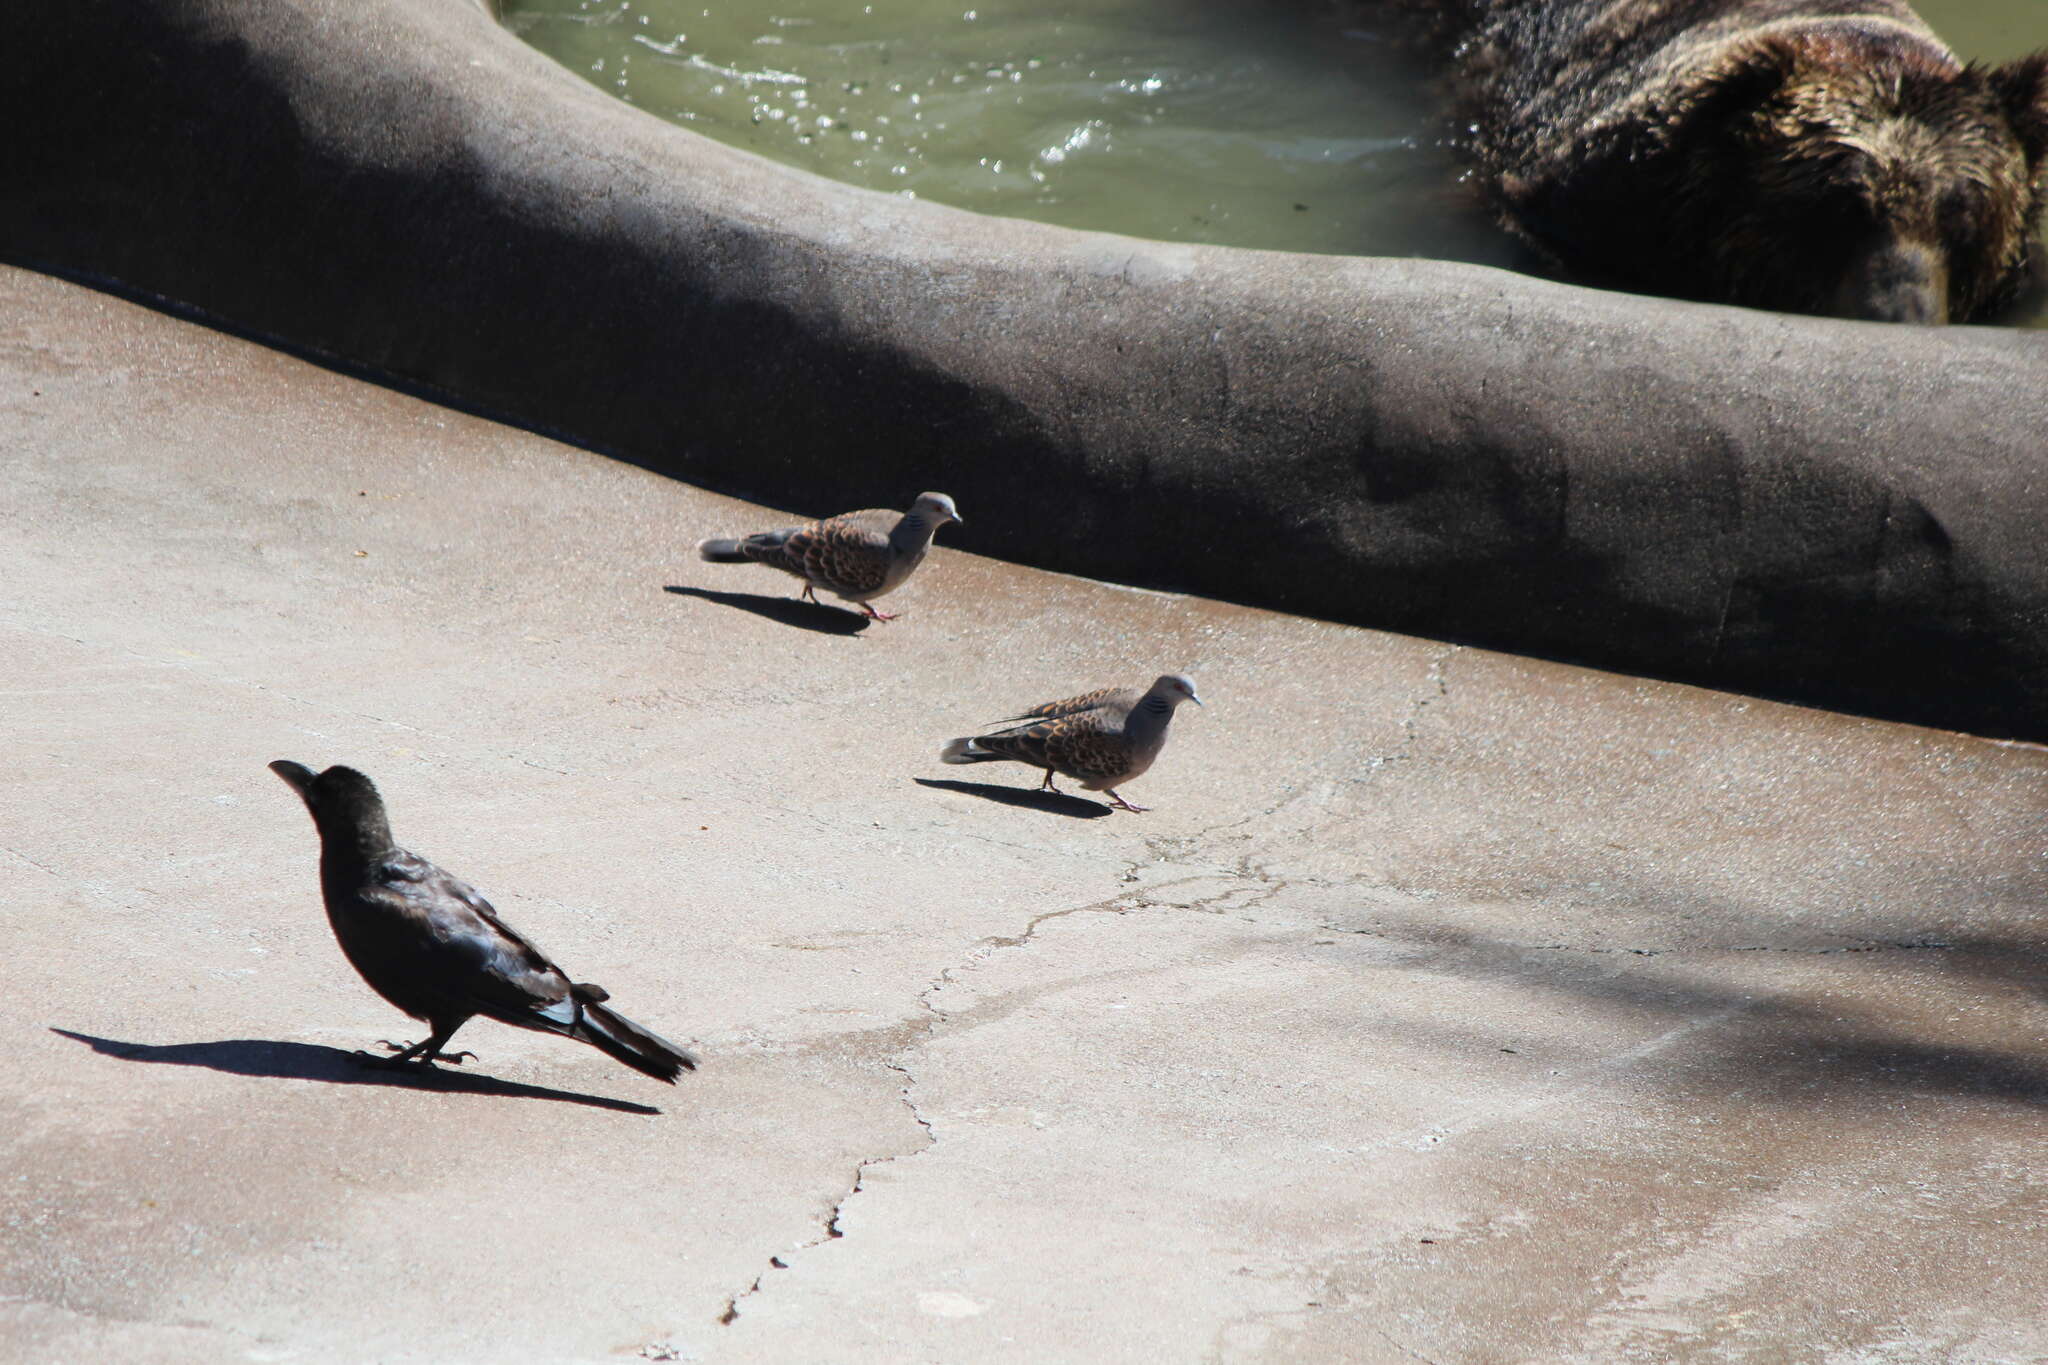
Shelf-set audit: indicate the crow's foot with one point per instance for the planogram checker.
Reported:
(410, 1054)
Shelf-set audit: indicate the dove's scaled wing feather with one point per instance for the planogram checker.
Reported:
(848, 554)
(1113, 698)
(1081, 737)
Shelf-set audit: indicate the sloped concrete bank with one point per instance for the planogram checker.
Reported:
(1476, 1010)
(1838, 513)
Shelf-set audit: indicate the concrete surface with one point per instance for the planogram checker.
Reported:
(1449, 1006)
(1838, 512)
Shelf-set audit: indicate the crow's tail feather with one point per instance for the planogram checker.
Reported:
(613, 1033)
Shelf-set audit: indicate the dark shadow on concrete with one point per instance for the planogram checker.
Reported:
(1757, 1034)
(1053, 803)
(789, 611)
(312, 1062)
(1827, 512)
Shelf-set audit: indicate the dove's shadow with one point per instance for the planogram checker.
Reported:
(790, 611)
(1053, 803)
(312, 1062)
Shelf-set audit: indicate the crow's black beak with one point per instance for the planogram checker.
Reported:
(298, 774)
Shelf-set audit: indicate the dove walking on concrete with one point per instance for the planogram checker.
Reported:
(1102, 739)
(857, 556)
(428, 943)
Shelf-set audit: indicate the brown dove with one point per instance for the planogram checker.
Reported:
(1102, 739)
(856, 556)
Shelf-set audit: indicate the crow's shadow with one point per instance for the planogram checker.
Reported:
(1053, 803)
(789, 611)
(312, 1062)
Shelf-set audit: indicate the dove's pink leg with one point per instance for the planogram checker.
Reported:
(1047, 785)
(874, 615)
(1135, 810)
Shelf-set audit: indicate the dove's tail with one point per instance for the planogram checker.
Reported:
(721, 552)
(614, 1034)
(968, 751)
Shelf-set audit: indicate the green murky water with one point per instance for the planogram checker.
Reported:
(1229, 121)
(1184, 120)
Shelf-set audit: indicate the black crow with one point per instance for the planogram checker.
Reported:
(432, 946)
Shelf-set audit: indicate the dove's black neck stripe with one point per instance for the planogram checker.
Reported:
(1149, 717)
(911, 532)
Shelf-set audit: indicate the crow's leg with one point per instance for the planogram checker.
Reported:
(422, 1054)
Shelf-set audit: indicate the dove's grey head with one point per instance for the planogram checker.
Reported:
(938, 507)
(1176, 688)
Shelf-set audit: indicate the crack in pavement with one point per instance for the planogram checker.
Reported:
(1243, 886)
(935, 1019)
(40, 867)
(1229, 868)
(1408, 1351)
(1294, 792)
(832, 1231)
(909, 1102)
(1436, 688)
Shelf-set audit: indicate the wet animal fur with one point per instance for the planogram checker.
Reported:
(1817, 156)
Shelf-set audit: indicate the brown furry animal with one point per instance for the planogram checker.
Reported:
(1815, 156)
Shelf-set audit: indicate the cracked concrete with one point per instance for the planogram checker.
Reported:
(1449, 1006)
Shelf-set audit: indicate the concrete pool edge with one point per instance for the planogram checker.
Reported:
(1836, 513)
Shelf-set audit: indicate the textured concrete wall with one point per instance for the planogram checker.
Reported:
(1834, 512)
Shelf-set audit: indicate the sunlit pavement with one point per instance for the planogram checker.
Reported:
(1447, 1006)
